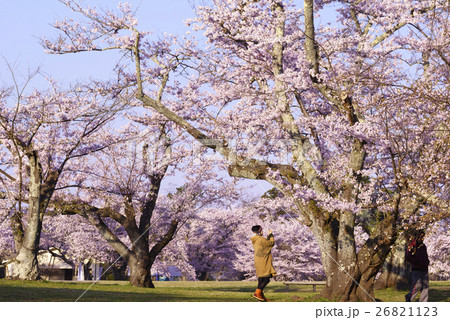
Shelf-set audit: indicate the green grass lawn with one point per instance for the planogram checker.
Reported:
(178, 291)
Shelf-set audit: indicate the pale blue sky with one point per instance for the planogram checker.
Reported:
(24, 22)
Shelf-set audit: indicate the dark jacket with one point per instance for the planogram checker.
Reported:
(418, 257)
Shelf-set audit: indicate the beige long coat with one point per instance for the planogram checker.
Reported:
(263, 255)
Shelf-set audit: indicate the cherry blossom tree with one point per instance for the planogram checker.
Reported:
(212, 243)
(437, 241)
(76, 239)
(119, 194)
(41, 134)
(348, 120)
(175, 254)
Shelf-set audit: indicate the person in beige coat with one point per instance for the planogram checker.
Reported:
(263, 260)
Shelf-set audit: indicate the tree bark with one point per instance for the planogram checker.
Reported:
(394, 272)
(140, 272)
(27, 241)
(351, 276)
(141, 262)
(338, 259)
(375, 251)
(311, 49)
(26, 267)
(18, 230)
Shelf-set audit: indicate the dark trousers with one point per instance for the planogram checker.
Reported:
(262, 282)
(420, 283)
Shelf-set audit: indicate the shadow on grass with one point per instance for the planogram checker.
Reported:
(13, 293)
(229, 289)
(441, 294)
(302, 289)
(27, 294)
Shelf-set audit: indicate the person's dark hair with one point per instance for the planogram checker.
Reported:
(256, 228)
(419, 233)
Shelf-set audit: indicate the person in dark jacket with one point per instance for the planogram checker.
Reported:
(417, 256)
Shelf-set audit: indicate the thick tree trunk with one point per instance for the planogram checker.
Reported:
(339, 272)
(345, 280)
(339, 264)
(372, 256)
(26, 267)
(394, 271)
(18, 232)
(351, 277)
(140, 272)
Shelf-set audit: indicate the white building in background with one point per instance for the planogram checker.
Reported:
(53, 266)
(51, 263)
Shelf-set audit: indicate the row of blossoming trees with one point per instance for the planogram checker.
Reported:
(215, 245)
(212, 245)
(347, 120)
